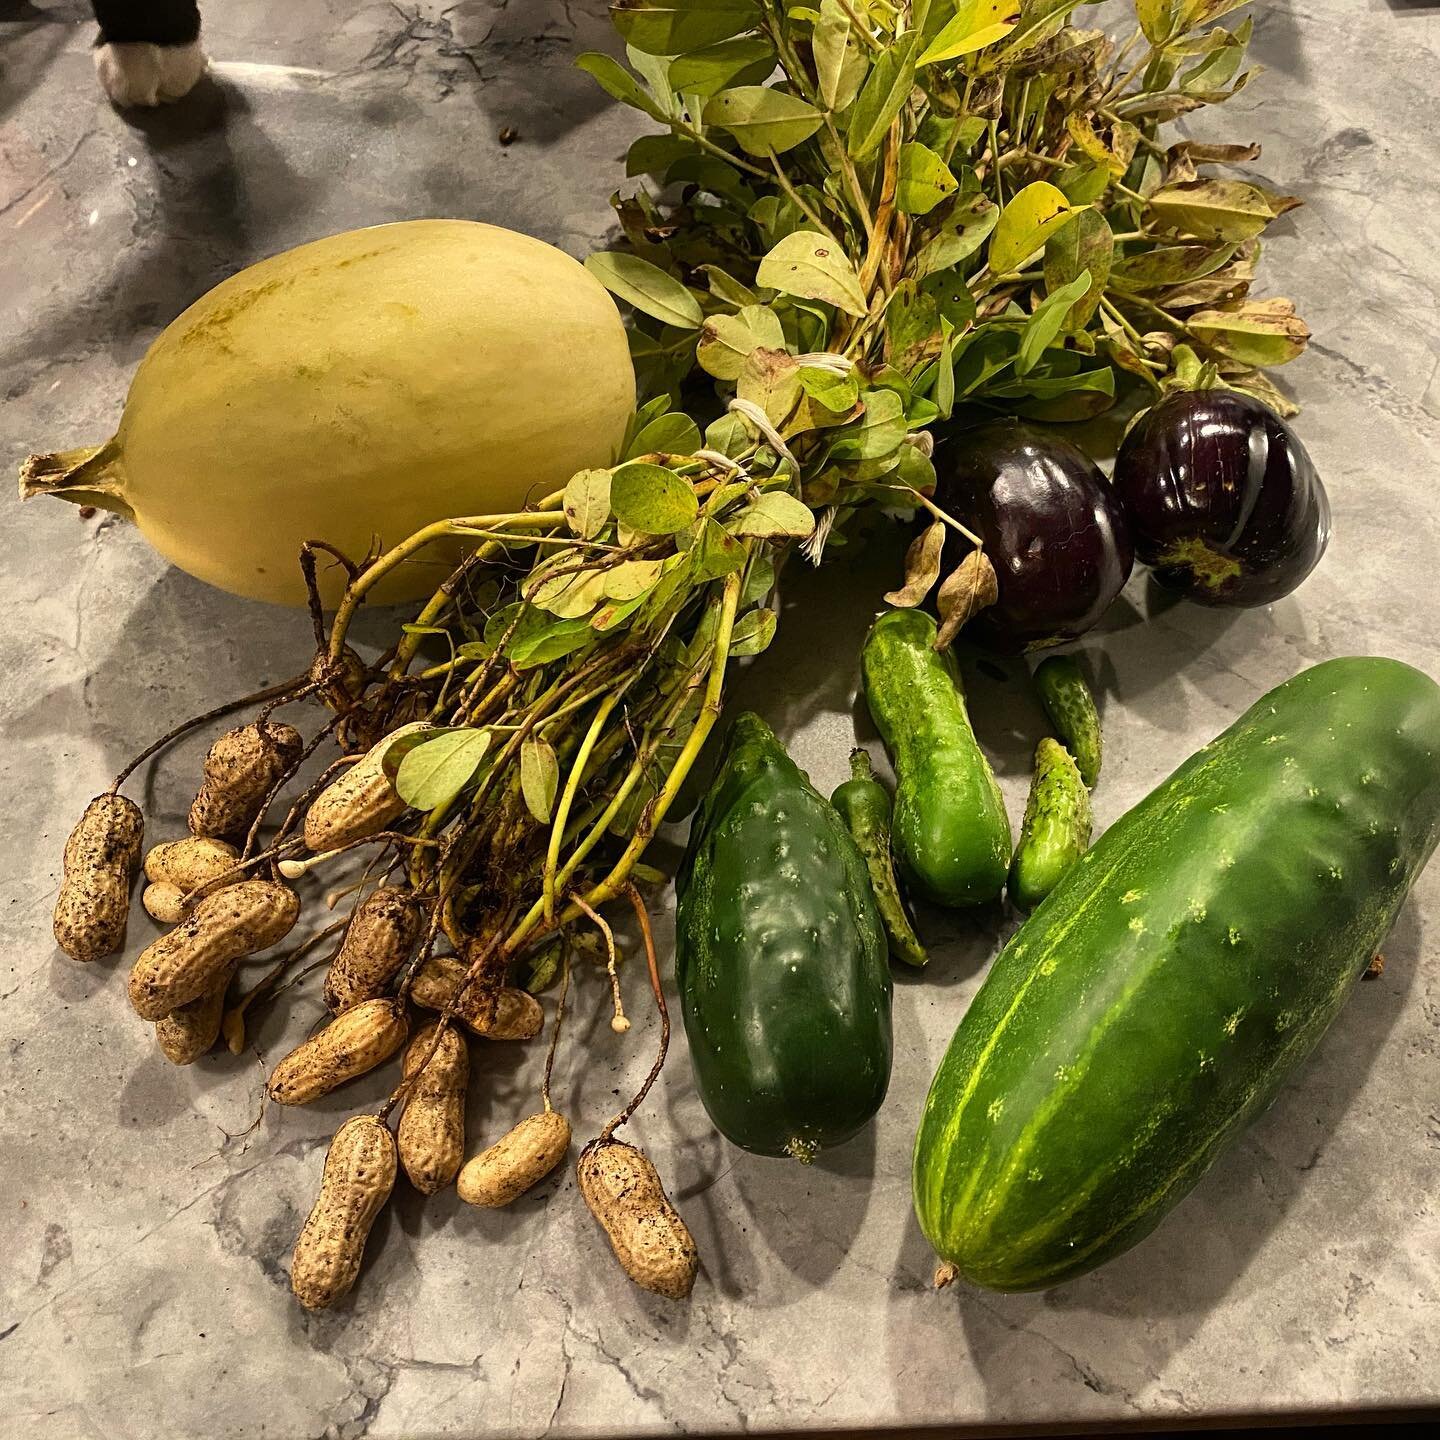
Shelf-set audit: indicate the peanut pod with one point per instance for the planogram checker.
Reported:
(431, 1134)
(652, 1243)
(239, 771)
(378, 940)
(361, 802)
(101, 856)
(224, 927)
(190, 863)
(517, 1161)
(359, 1176)
(517, 1014)
(164, 902)
(189, 1032)
(350, 1045)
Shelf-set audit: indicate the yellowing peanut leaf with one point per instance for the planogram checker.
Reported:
(587, 503)
(1028, 220)
(976, 24)
(813, 266)
(925, 179)
(539, 778)
(1213, 209)
(776, 514)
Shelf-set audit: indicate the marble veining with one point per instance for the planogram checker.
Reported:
(144, 1290)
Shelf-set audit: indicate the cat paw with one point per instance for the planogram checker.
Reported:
(138, 74)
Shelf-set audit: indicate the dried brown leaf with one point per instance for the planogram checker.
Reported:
(966, 591)
(922, 567)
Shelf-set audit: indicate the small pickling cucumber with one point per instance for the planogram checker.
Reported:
(951, 833)
(864, 806)
(1071, 708)
(1056, 828)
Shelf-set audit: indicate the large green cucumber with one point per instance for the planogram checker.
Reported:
(1154, 1003)
(780, 959)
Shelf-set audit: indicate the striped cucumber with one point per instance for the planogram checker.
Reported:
(1155, 1003)
(1056, 828)
(1071, 708)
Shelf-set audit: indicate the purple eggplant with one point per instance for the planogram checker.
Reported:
(1052, 528)
(1223, 501)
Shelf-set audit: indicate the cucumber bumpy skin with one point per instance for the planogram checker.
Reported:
(1156, 1002)
(1071, 708)
(780, 958)
(951, 833)
(864, 806)
(1056, 828)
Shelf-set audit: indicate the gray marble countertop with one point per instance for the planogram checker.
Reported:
(144, 1287)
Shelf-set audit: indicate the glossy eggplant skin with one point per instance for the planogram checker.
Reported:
(1053, 530)
(1224, 503)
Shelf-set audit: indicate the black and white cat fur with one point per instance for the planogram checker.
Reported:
(148, 51)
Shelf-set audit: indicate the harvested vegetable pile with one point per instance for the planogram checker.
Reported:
(934, 206)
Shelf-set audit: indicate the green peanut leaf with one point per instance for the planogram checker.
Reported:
(619, 83)
(713, 553)
(1048, 321)
(1026, 223)
(434, 773)
(876, 433)
(655, 154)
(925, 179)
(672, 434)
(675, 27)
(835, 392)
(813, 267)
(539, 778)
(943, 390)
(776, 514)
(753, 632)
(759, 580)
(540, 638)
(976, 24)
(885, 90)
(748, 60)
(652, 499)
(763, 120)
(647, 287)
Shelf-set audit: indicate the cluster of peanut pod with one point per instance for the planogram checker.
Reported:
(226, 906)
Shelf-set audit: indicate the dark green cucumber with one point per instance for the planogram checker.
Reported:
(1155, 1003)
(951, 834)
(1071, 708)
(1056, 828)
(864, 806)
(780, 958)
